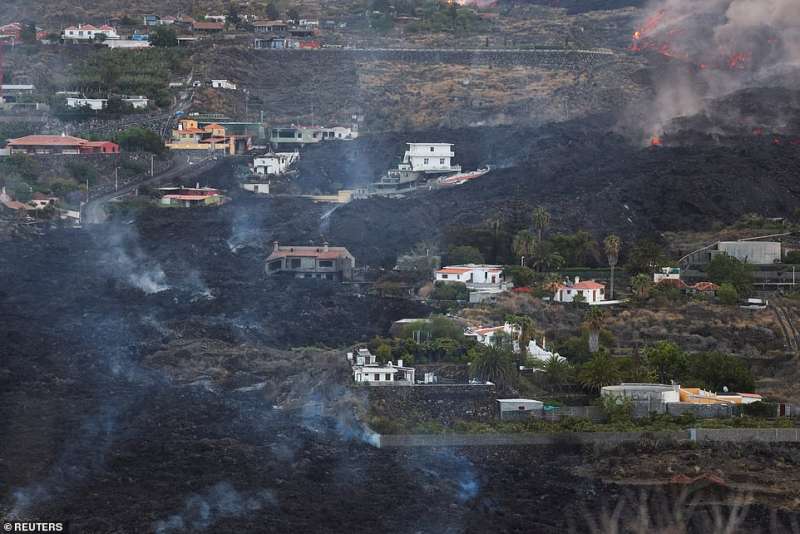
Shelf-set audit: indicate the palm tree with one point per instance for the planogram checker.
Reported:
(495, 365)
(524, 244)
(641, 285)
(550, 261)
(557, 371)
(612, 245)
(541, 220)
(594, 323)
(525, 325)
(600, 371)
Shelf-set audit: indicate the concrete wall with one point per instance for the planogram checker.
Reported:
(727, 435)
(444, 403)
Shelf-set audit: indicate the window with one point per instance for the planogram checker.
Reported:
(432, 149)
(294, 263)
(444, 277)
(425, 161)
(275, 265)
(441, 161)
(388, 377)
(326, 263)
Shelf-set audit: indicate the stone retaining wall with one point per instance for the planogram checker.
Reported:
(444, 403)
(726, 435)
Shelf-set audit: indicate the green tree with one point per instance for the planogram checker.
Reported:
(558, 372)
(600, 371)
(524, 245)
(493, 364)
(574, 248)
(727, 269)
(641, 284)
(667, 361)
(727, 294)
(595, 319)
(100, 38)
(293, 14)
(521, 276)
(547, 260)
(163, 37)
(525, 325)
(463, 254)
(29, 33)
(645, 256)
(140, 140)
(792, 257)
(541, 220)
(612, 245)
(714, 371)
(233, 17)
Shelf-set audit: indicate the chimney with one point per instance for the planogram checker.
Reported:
(577, 279)
(399, 363)
(325, 246)
(275, 246)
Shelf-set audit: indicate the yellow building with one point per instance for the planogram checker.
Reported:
(190, 136)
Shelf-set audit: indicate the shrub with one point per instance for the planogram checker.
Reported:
(727, 294)
(450, 291)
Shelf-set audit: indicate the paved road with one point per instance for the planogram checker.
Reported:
(94, 213)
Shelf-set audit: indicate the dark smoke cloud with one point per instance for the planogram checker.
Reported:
(717, 47)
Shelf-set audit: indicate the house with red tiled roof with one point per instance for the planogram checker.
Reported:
(590, 290)
(322, 262)
(59, 144)
(208, 27)
(88, 32)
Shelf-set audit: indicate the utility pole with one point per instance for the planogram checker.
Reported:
(116, 179)
(152, 164)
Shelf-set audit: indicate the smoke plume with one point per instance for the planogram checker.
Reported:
(715, 47)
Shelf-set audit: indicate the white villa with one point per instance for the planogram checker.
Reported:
(275, 164)
(87, 32)
(667, 273)
(429, 158)
(223, 84)
(367, 371)
(486, 334)
(590, 290)
(474, 276)
(95, 104)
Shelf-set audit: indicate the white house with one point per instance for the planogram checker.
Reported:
(541, 353)
(87, 32)
(223, 84)
(276, 163)
(258, 188)
(590, 290)
(474, 276)
(667, 273)
(486, 335)
(95, 104)
(367, 370)
(137, 102)
(429, 158)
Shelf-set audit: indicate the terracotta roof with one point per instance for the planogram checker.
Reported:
(589, 284)
(48, 140)
(310, 252)
(214, 126)
(705, 286)
(674, 282)
(454, 270)
(14, 205)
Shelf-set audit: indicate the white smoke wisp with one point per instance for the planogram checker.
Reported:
(717, 47)
(126, 261)
(221, 501)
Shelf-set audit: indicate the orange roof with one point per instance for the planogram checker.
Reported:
(705, 286)
(590, 285)
(214, 126)
(48, 140)
(454, 270)
(310, 252)
(197, 25)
